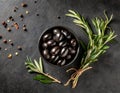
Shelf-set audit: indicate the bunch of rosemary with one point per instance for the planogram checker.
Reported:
(97, 42)
(37, 67)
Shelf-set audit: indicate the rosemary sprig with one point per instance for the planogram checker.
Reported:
(97, 42)
(37, 67)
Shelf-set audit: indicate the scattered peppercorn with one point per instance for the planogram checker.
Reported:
(10, 40)
(19, 48)
(11, 43)
(21, 16)
(16, 53)
(8, 20)
(24, 5)
(35, 1)
(6, 49)
(16, 26)
(24, 29)
(15, 9)
(4, 24)
(10, 56)
(37, 14)
(27, 12)
(59, 17)
(24, 25)
(5, 41)
(0, 36)
(11, 18)
(9, 29)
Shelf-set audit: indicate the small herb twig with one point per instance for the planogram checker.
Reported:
(97, 42)
(37, 67)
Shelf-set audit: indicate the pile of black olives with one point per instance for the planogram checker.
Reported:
(58, 46)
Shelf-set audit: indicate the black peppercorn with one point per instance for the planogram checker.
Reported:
(0, 36)
(24, 5)
(19, 48)
(11, 43)
(5, 41)
(21, 16)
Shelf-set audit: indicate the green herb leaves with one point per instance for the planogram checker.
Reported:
(37, 67)
(43, 79)
(98, 37)
(34, 67)
(97, 41)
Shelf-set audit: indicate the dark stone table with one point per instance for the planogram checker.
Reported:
(14, 78)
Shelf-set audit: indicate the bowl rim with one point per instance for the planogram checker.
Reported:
(69, 30)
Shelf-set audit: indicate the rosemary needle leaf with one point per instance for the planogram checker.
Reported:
(97, 41)
(83, 45)
(40, 63)
(37, 67)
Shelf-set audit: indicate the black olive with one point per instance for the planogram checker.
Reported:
(69, 36)
(56, 58)
(66, 34)
(46, 54)
(53, 57)
(63, 43)
(68, 57)
(47, 37)
(56, 31)
(51, 43)
(61, 62)
(55, 50)
(73, 42)
(58, 37)
(44, 45)
(72, 51)
(64, 52)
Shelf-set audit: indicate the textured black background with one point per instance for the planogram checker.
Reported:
(14, 78)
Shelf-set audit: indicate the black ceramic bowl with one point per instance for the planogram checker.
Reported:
(58, 46)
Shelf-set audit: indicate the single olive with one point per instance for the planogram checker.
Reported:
(64, 52)
(47, 37)
(63, 43)
(58, 37)
(56, 59)
(56, 31)
(72, 51)
(44, 45)
(46, 54)
(61, 62)
(55, 50)
(64, 32)
(51, 43)
(73, 42)
(68, 57)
